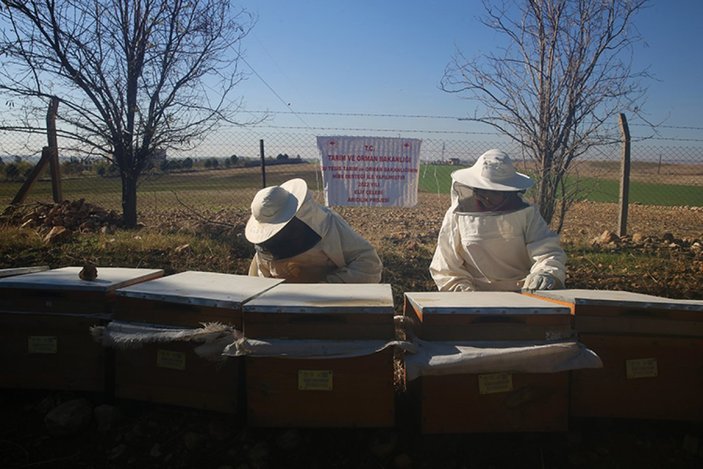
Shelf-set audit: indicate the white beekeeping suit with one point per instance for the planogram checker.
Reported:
(304, 242)
(490, 238)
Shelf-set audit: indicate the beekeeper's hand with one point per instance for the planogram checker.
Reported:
(289, 270)
(539, 281)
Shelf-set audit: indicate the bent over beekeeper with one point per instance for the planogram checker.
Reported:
(302, 241)
(491, 239)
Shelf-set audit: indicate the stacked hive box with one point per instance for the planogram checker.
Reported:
(45, 320)
(489, 402)
(170, 372)
(355, 391)
(652, 352)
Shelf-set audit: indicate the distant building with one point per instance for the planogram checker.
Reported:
(158, 156)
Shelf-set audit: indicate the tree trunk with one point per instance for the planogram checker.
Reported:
(129, 200)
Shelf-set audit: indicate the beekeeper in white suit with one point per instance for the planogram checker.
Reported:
(304, 242)
(492, 240)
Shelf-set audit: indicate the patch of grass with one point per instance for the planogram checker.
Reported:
(437, 179)
(605, 190)
(172, 252)
(659, 272)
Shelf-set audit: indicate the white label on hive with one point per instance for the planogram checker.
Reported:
(170, 359)
(315, 380)
(641, 368)
(495, 383)
(42, 344)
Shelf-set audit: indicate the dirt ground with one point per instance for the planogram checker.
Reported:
(584, 220)
(119, 433)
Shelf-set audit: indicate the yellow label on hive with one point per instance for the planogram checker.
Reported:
(495, 383)
(315, 380)
(641, 368)
(170, 359)
(42, 344)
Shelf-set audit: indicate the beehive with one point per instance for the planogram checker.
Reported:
(651, 348)
(171, 372)
(45, 320)
(485, 316)
(9, 272)
(355, 391)
(500, 401)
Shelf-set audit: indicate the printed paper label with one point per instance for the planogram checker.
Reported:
(315, 380)
(641, 368)
(495, 383)
(42, 344)
(170, 359)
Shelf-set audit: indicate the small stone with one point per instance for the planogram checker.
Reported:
(106, 416)
(218, 430)
(258, 454)
(68, 418)
(402, 461)
(638, 238)
(289, 440)
(117, 451)
(691, 444)
(193, 440)
(383, 443)
(155, 451)
(89, 272)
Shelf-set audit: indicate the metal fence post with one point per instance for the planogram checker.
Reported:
(624, 176)
(263, 163)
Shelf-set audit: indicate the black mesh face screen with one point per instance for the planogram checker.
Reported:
(295, 238)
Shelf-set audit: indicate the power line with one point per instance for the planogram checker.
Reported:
(375, 129)
(360, 114)
(287, 104)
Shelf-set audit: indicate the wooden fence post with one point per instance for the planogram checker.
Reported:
(624, 176)
(50, 155)
(53, 149)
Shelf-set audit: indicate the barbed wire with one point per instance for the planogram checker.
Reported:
(430, 116)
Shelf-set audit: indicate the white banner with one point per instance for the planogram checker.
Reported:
(370, 171)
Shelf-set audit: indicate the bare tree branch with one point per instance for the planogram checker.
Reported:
(557, 84)
(133, 76)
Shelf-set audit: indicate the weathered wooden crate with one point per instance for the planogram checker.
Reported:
(45, 320)
(355, 391)
(493, 401)
(172, 373)
(652, 353)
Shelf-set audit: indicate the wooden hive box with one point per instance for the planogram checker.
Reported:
(171, 372)
(22, 270)
(652, 353)
(489, 402)
(45, 320)
(485, 316)
(332, 392)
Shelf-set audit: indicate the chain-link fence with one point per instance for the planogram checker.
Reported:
(226, 170)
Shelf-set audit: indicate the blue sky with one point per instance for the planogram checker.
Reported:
(383, 57)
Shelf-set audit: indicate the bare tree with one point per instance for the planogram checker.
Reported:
(557, 85)
(133, 76)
